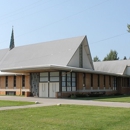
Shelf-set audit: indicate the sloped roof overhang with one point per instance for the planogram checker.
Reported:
(41, 68)
(11, 74)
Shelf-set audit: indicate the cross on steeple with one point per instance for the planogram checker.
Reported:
(12, 40)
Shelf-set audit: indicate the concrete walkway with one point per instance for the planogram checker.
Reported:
(53, 101)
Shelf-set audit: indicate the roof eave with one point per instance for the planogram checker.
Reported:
(57, 67)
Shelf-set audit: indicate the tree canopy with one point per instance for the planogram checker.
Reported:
(95, 59)
(113, 55)
(124, 58)
(128, 26)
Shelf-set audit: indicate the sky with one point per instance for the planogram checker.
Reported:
(104, 22)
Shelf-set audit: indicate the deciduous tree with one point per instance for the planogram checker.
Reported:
(128, 26)
(95, 59)
(113, 55)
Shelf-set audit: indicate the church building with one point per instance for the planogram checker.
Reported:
(59, 69)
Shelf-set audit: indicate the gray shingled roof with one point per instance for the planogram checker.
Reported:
(56, 52)
(116, 66)
(3, 53)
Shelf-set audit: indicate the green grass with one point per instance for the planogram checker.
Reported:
(5, 103)
(108, 98)
(66, 117)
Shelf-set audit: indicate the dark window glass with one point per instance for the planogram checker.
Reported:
(23, 80)
(98, 80)
(68, 79)
(6, 81)
(104, 80)
(91, 80)
(14, 81)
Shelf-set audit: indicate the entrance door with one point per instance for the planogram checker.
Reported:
(53, 88)
(43, 89)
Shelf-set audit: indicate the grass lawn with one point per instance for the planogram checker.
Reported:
(5, 103)
(66, 117)
(108, 98)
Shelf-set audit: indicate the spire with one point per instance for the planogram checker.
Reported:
(12, 40)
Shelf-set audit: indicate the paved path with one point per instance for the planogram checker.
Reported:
(53, 101)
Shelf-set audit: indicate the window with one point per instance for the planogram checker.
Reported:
(104, 80)
(23, 80)
(49, 76)
(98, 80)
(68, 81)
(114, 82)
(6, 81)
(63, 79)
(14, 81)
(84, 78)
(73, 80)
(44, 77)
(110, 81)
(91, 80)
(54, 76)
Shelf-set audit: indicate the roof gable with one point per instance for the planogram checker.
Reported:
(85, 56)
(56, 52)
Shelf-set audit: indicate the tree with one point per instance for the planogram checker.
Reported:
(113, 55)
(128, 26)
(125, 58)
(95, 59)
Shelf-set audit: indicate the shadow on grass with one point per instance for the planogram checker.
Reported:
(101, 97)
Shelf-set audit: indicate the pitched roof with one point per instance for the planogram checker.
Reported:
(56, 52)
(3, 53)
(116, 66)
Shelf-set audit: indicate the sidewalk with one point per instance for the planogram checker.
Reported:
(52, 101)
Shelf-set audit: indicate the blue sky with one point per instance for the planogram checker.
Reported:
(103, 21)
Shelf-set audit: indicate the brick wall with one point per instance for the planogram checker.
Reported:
(95, 81)
(101, 82)
(79, 81)
(88, 81)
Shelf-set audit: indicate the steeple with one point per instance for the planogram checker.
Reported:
(12, 40)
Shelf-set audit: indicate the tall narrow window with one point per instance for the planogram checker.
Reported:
(73, 80)
(68, 79)
(84, 78)
(6, 81)
(104, 80)
(91, 80)
(14, 81)
(115, 82)
(23, 80)
(98, 80)
(110, 81)
(63, 79)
